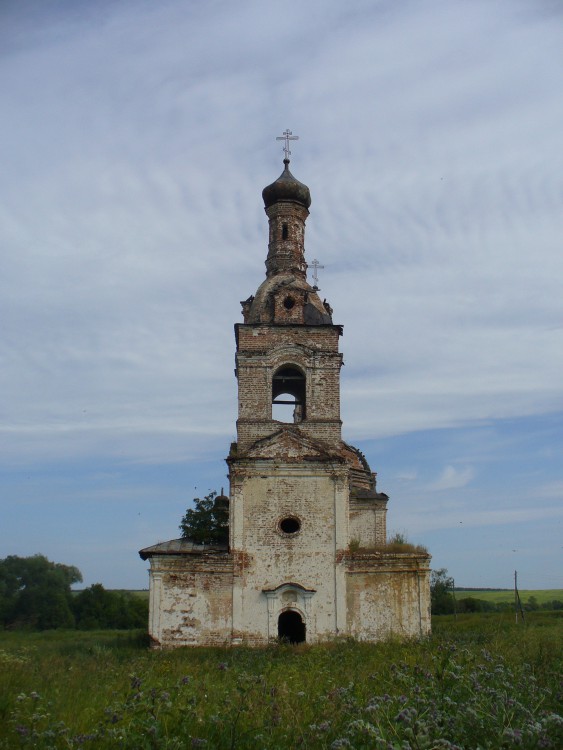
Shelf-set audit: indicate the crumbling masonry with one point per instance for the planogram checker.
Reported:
(307, 559)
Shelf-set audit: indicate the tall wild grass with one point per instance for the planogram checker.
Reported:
(478, 682)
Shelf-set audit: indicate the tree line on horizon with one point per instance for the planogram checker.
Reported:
(444, 602)
(35, 594)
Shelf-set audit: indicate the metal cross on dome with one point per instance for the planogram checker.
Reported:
(315, 265)
(287, 137)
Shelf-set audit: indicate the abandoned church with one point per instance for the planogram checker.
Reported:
(307, 558)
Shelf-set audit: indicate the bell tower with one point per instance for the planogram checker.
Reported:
(290, 472)
(307, 558)
(287, 347)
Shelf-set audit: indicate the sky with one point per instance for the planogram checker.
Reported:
(135, 140)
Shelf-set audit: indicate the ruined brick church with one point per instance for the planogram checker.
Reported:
(307, 558)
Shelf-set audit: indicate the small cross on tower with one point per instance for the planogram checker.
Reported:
(315, 265)
(287, 137)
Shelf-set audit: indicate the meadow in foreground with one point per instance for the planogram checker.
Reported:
(480, 682)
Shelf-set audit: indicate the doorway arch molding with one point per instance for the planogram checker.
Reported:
(286, 597)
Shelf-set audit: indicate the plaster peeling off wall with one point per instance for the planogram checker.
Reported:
(195, 603)
(386, 603)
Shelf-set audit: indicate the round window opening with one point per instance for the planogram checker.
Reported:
(289, 303)
(290, 525)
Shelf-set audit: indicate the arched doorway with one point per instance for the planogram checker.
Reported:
(291, 627)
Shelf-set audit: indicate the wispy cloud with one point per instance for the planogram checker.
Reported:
(135, 140)
(407, 476)
(452, 477)
(480, 518)
(551, 489)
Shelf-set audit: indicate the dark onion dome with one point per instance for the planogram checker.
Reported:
(286, 188)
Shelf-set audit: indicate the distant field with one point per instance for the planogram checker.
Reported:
(541, 595)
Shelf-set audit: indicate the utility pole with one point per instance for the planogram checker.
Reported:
(517, 602)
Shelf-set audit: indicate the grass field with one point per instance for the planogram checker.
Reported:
(481, 681)
(541, 595)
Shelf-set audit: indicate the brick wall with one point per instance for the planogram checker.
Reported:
(388, 595)
(191, 600)
(262, 350)
(316, 496)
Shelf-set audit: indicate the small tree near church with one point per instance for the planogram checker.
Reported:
(208, 521)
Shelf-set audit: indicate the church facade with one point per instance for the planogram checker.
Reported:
(307, 558)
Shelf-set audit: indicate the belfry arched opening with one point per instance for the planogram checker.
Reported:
(291, 627)
(288, 393)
